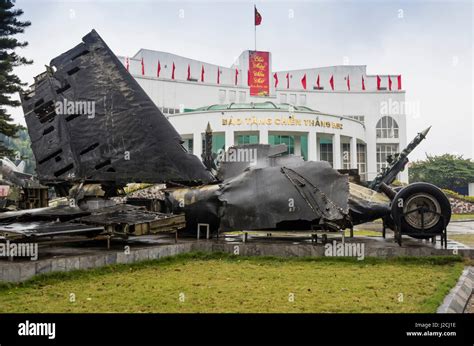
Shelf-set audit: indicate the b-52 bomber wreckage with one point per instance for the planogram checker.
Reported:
(126, 139)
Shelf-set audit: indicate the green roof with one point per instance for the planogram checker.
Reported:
(258, 105)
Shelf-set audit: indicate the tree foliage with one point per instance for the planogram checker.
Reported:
(445, 171)
(20, 146)
(10, 84)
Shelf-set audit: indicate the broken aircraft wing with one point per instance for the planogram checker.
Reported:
(89, 120)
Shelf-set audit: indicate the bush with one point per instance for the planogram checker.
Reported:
(456, 195)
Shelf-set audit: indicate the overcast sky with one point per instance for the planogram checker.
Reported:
(429, 43)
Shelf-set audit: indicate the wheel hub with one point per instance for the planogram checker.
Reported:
(422, 211)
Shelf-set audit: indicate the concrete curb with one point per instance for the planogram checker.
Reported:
(22, 271)
(457, 299)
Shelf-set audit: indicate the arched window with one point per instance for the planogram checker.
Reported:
(387, 127)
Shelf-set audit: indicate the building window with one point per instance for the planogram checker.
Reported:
(346, 155)
(383, 151)
(232, 94)
(360, 118)
(283, 98)
(325, 152)
(293, 99)
(188, 144)
(362, 161)
(168, 111)
(281, 139)
(218, 143)
(247, 139)
(242, 96)
(302, 98)
(304, 146)
(221, 95)
(387, 127)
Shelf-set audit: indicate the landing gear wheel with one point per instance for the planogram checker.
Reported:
(421, 208)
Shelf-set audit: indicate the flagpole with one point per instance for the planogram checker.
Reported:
(255, 26)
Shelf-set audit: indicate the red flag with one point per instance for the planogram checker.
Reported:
(275, 76)
(172, 71)
(348, 83)
(317, 82)
(143, 68)
(128, 64)
(202, 73)
(218, 76)
(331, 81)
(159, 69)
(303, 81)
(389, 83)
(189, 72)
(236, 75)
(258, 17)
(363, 83)
(399, 80)
(288, 81)
(378, 82)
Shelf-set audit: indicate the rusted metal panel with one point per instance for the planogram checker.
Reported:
(123, 219)
(41, 229)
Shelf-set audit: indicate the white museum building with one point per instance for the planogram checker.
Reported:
(336, 113)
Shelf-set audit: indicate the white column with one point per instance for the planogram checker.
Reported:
(297, 146)
(371, 146)
(353, 152)
(229, 138)
(263, 136)
(312, 146)
(336, 150)
(197, 144)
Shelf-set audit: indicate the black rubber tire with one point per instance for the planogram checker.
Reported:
(429, 189)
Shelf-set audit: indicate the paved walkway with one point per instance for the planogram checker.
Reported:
(461, 227)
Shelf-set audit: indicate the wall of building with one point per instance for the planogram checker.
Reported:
(173, 96)
(269, 122)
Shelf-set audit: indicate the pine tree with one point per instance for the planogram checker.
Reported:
(9, 82)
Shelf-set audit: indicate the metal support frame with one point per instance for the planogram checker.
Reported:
(324, 235)
(384, 227)
(443, 234)
(199, 225)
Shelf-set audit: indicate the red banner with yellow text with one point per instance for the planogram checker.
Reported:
(259, 71)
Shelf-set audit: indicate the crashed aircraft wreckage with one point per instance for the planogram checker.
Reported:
(124, 138)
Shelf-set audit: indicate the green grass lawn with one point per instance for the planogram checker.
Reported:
(224, 283)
